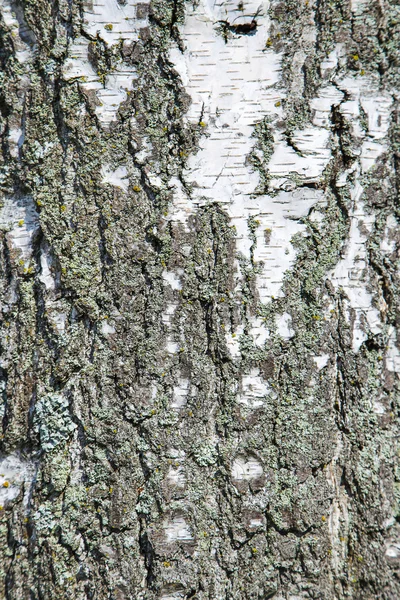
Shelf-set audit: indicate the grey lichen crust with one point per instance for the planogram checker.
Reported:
(141, 458)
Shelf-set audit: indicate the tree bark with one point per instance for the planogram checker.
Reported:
(199, 300)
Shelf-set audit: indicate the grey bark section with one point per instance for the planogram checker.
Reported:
(130, 471)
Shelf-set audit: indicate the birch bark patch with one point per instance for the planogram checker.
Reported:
(176, 477)
(180, 393)
(118, 177)
(254, 389)
(177, 530)
(19, 217)
(284, 327)
(350, 273)
(321, 361)
(246, 468)
(46, 276)
(234, 86)
(113, 22)
(14, 472)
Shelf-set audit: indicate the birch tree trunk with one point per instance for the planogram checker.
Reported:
(199, 299)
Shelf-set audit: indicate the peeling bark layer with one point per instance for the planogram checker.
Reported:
(199, 298)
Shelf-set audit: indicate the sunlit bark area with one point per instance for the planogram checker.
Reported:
(199, 304)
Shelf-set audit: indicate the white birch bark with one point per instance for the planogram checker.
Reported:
(199, 295)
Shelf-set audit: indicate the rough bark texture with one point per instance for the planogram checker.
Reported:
(199, 300)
